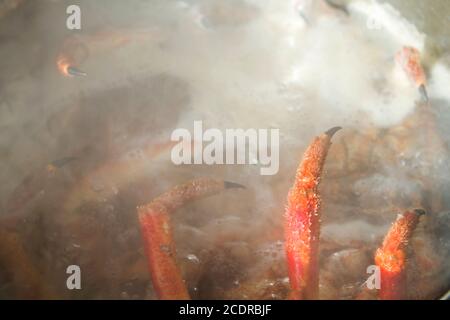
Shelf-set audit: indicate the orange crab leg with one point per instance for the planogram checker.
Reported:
(391, 256)
(302, 220)
(15, 261)
(154, 219)
(409, 59)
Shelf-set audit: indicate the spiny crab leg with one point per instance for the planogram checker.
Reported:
(154, 219)
(409, 60)
(302, 220)
(391, 256)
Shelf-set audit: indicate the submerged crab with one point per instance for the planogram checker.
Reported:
(321, 264)
(302, 221)
(302, 232)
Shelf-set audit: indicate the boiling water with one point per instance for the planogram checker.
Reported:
(153, 67)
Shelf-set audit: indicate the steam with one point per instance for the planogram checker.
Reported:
(275, 64)
(235, 64)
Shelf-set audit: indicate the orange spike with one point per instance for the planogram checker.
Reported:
(302, 220)
(391, 256)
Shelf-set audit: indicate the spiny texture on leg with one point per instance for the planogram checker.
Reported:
(160, 249)
(302, 220)
(391, 256)
(156, 230)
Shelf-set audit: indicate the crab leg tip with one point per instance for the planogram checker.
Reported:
(391, 256)
(230, 185)
(331, 132)
(423, 92)
(420, 212)
(73, 71)
(337, 6)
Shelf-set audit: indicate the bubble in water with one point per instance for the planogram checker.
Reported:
(193, 258)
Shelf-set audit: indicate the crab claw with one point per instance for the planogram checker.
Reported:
(154, 219)
(302, 220)
(391, 256)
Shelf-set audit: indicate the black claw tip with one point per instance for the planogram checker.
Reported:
(332, 131)
(230, 185)
(420, 212)
(423, 93)
(73, 71)
(337, 6)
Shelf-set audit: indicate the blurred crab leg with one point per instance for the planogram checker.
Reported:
(154, 219)
(64, 63)
(409, 59)
(391, 256)
(33, 183)
(302, 220)
(115, 174)
(76, 49)
(16, 263)
(66, 67)
(436, 148)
